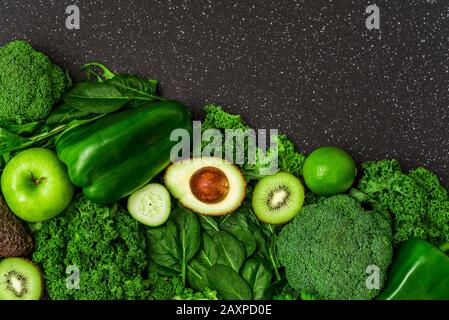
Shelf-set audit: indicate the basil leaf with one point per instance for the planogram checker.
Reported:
(258, 275)
(228, 283)
(95, 97)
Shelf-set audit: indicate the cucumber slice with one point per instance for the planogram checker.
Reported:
(150, 205)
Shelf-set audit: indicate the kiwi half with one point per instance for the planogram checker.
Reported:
(20, 279)
(278, 198)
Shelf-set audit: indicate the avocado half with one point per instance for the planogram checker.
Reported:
(209, 186)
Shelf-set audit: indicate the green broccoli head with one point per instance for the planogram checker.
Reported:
(328, 247)
(29, 83)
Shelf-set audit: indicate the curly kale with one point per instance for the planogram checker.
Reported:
(217, 118)
(104, 242)
(29, 83)
(328, 247)
(289, 160)
(417, 201)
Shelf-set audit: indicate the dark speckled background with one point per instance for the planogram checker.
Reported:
(309, 68)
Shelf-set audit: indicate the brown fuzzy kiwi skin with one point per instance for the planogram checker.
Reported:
(222, 213)
(41, 278)
(14, 238)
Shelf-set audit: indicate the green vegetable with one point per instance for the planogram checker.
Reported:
(230, 251)
(241, 229)
(220, 244)
(228, 283)
(120, 153)
(417, 201)
(176, 243)
(258, 275)
(30, 84)
(104, 243)
(112, 94)
(206, 258)
(281, 290)
(138, 93)
(172, 288)
(328, 247)
(419, 272)
(289, 160)
(150, 205)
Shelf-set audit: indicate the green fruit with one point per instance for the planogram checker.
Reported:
(150, 205)
(209, 186)
(20, 279)
(36, 185)
(278, 198)
(328, 171)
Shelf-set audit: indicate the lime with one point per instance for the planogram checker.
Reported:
(328, 171)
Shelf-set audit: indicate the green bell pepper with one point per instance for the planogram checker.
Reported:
(120, 153)
(420, 271)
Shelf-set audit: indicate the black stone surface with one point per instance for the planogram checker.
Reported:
(308, 68)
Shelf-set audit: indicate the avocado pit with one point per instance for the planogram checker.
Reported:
(209, 185)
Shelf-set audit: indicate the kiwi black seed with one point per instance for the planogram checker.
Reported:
(20, 279)
(278, 198)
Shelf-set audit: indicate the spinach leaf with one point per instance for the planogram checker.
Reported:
(206, 258)
(228, 283)
(95, 97)
(258, 275)
(10, 141)
(237, 225)
(65, 114)
(164, 246)
(208, 255)
(197, 275)
(189, 236)
(209, 224)
(106, 74)
(134, 86)
(153, 268)
(21, 129)
(231, 251)
(281, 290)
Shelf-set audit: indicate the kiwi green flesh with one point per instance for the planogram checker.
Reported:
(278, 198)
(20, 279)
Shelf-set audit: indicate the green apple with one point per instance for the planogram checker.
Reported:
(36, 185)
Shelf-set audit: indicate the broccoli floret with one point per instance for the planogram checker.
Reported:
(328, 247)
(29, 83)
(417, 201)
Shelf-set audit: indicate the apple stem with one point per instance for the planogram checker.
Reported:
(36, 180)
